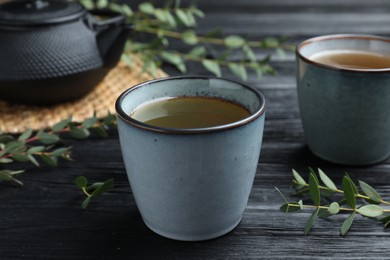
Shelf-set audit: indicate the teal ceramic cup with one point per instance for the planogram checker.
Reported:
(345, 112)
(191, 184)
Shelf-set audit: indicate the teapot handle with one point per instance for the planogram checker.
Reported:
(111, 18)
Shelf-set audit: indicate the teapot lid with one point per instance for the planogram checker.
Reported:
(38, 12)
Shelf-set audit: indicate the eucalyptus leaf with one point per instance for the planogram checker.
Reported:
(36, 149)
(60, 125)
(78, 132)
(323, 213)
(49, 160)
(212, 66)
(239, 70)
(353, 185)
(370, 210)
(47, 138)
(349, 192)
(33, 160)
(103, 188)
(160, 15)
(298, 178)
(146, 8)
(313, 189)
(310, 222)
(100, 131)
(334, 208)
(7, 175)
(88, 123)
(198, 51)
(14, 146)
(20, 157)
(81, 182)
(60, 151)
(85, 203)
(26, 134)
(370, 192)
(6, 160)
(189, 37)
(347, 224)
(248, 52)
(183, 17)
(326, 180)
(234, 41)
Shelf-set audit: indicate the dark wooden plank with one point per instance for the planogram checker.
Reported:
(43, 219)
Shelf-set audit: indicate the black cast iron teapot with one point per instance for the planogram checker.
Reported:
(54, 50)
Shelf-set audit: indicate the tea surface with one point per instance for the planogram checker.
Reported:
(352, 59)
(189, 112)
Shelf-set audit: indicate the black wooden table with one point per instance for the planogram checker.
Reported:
(44, 220)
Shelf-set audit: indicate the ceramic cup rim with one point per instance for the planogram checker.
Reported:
(340, 37)
(129, 120)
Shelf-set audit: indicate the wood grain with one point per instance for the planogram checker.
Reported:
(43, 220)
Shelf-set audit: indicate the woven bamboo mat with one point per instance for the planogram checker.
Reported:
(17, 118)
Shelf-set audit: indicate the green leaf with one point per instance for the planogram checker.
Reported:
(300, 203)
(160, 15)
(189, 37)
(198, 51)
(103, 188)
(13, 146)
(290, 207)
(146, 8)
(78, 133)
(310, 222)
(370, 192)
(20, 157)
(354, 188)
(313, 188)
(197, 12)
(298, 178)
(60, 151)
(371, 210)
(174, 59)
(326, 180)
(85, 203)
(169, 18)
(25, 135)
(33, 160)
(7, 175)
(46, 138)
(239, 70)
(100, 131)
(81, 182)
(349, 192)
(6, 160)
(234, 41)
(102, 4)
(60, 125)
(248, 52)
(385, 221)
(334, 208)
(324, 213)
(347, 224)
(183, 17)
(212, 66)
(35, 149)
(49, 160)
(88, 123)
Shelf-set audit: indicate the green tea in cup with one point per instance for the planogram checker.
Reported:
(189, 112)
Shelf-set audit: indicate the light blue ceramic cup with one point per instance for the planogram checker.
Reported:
(191, 184)
(345, 112)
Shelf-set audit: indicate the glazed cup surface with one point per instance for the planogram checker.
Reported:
(344, 112)
(191, 184)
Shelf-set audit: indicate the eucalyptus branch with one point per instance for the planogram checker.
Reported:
(46, 145)
(173, 22)
(350, 193)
